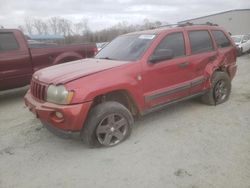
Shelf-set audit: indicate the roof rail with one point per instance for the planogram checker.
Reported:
(190, 24)
(184, 24)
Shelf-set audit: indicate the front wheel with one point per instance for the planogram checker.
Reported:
(108, 124)
(220, 90)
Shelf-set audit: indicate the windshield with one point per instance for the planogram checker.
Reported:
(237, 39)
(126, 47)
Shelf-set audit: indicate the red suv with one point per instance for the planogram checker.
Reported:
(133, 75)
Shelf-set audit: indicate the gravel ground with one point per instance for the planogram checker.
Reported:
(187, 145)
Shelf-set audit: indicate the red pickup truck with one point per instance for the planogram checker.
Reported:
(18, 60)
(133, 75)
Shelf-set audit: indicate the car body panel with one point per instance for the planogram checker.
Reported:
(149, 85)
(74, 70)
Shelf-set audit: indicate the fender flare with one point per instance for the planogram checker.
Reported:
(59, 59)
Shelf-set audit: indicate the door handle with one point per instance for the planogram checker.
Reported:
(183, 65)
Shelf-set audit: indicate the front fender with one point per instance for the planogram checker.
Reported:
(87, 90)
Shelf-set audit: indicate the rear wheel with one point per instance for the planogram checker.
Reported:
(220, 90)
(108, 124)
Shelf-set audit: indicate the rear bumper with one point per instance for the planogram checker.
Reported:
(73, 115)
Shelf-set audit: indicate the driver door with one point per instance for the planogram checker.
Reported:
(167, 80)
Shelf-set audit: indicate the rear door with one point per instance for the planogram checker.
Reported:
(167, 80)
(15, 65)
(202, 52)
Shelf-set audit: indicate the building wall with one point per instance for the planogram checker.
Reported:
(236, 22)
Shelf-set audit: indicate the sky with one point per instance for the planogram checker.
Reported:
(105, 13)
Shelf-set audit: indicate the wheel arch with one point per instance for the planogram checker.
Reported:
(121, 96)
(66, 57)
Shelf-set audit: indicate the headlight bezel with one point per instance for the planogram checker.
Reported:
(58, 94)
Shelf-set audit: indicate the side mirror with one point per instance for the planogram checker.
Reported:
(160, 55)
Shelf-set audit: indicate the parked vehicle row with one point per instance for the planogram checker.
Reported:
(19, 60)
(133, 75)
(242, 42)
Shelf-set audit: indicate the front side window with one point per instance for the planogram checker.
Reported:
(200, 41)
(126, 47)
(8, 42)
(173, 42)
(221, 39)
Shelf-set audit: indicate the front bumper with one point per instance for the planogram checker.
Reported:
(73, 115)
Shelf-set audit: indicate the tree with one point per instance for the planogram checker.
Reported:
(45, 28)
(29, 25)
(65, 27)
(54, 25)
(38, 25)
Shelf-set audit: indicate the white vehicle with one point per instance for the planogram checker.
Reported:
(101, 45)
(243, 43)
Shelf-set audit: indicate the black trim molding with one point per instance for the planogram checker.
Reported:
(175, 90)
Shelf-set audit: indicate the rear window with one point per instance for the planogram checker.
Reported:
(221, 39)
(8, 42)
(200, 41)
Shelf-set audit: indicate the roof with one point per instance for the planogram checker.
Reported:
(234, 10)
(176, 28)
(45, 37)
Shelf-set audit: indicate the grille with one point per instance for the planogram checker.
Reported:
(38, 90)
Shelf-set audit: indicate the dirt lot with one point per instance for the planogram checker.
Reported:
(187, 145)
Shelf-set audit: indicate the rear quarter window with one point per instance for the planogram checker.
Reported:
(221, 39)
(8, 42)
(200, 41)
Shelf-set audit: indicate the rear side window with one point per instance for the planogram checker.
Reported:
(200, 41)
(221, 39)
(173, 42)
(8, 42)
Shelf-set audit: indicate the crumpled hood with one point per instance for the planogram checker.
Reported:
(63, 73)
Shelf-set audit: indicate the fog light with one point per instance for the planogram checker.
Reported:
(59, 115)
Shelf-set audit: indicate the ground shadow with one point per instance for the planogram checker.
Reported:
(13, 94)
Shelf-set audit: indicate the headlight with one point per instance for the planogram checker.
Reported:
(59, 94)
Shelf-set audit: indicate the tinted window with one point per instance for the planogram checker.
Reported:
(173, 42)
(200, 41)
(8, 42)
(221, 39)
(126, 47)
(245, 38)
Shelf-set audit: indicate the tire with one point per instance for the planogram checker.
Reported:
(220, 90)
(240, 52)
(108, 124)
